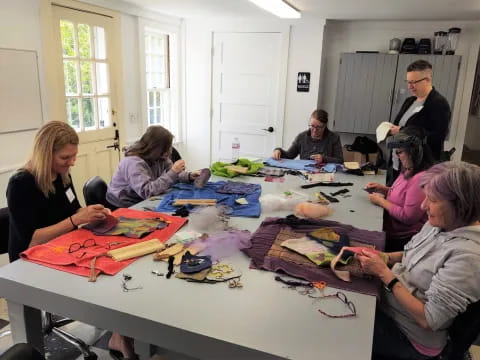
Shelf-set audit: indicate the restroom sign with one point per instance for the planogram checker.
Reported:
(303, 82)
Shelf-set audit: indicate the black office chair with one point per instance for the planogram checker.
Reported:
(21, 351)
(447, 155)
(462, 333)
(94, 192)
(50, 324)
(4, 235)
(4, 230)
(175, 155)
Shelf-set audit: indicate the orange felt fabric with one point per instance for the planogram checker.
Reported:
(55, 253)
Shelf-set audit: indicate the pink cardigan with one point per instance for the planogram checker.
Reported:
(405, 216)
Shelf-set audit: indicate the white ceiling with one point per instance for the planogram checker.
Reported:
(326, 9)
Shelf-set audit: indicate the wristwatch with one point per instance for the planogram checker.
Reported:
(391, 284)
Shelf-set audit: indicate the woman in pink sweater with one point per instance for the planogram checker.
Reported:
(403, 215)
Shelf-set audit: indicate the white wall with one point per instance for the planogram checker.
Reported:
(131, 79)
(19, 29)
(350, 36)
(306, 36)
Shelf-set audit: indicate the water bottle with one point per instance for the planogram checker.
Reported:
(235, 149)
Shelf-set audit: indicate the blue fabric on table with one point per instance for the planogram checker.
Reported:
(329, 168)
(237, 187)
(209, 191)
(290, 164)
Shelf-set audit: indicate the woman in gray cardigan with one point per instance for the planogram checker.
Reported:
(317, 143)
(437, 275)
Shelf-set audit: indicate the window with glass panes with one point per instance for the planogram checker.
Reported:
(85, 69)
(157, 77)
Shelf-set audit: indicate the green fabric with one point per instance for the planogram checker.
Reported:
(219, 169)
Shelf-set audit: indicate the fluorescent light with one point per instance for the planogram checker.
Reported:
(279, 8)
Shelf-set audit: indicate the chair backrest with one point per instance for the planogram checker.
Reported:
(175, 155)
(4, 230)
(463, 332)
(94, 191)
(21, 351)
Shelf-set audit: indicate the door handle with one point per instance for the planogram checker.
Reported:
(115, 146)
(270, 129)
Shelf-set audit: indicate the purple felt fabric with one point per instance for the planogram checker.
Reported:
(263, 239)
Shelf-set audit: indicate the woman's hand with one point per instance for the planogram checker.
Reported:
(178, 166)
(394, 129)
(193, 175)
(317, 157)
(372, 263)
(276, 154)
(376, 198)
(374, 186)
(90, 213)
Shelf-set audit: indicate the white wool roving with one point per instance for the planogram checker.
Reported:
(272, 202)
(209, 219)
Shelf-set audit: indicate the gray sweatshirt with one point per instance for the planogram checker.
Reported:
(442, 269)
(329, 146)
(136, 180)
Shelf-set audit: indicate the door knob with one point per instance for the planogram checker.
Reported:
(270, 129)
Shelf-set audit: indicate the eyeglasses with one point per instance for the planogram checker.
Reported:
(343, 298)
(314, 127)
(415, 82)
(77, 246)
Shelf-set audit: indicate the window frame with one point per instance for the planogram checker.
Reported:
(175, 119)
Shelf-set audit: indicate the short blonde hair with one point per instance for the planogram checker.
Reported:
(51, 137)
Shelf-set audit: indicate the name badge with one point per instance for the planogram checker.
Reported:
(70, 194)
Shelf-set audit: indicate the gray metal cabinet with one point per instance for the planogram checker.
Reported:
(364, 89)
(371, 88)
(445, 76)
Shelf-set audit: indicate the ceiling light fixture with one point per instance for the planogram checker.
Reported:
(280, 8)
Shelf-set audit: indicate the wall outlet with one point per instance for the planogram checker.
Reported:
(132, 118)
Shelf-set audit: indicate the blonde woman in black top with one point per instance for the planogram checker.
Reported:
(42, 201)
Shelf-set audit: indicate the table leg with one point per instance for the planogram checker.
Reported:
(26, 325)
(143, 350)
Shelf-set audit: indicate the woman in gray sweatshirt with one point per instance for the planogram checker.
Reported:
(437, 275)
(317, 143)
(146, 170)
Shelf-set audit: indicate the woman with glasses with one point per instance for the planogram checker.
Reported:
(42, 201)
(317, 143)
(426, 109)
(437, 275)
(401, 201)
(146, 170)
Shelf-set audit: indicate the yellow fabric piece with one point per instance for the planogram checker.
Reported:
(170, 251)
(135, 250)
(326, 234)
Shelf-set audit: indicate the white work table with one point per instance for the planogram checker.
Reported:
(262, 320)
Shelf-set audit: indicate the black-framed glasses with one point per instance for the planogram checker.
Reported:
(343, 298)
(77, 246)
(315, 127)
(415, 82)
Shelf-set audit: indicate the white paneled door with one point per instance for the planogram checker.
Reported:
(87, 88)
(248, 92)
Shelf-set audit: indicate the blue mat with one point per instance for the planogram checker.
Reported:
(188, 191)
(291, 164)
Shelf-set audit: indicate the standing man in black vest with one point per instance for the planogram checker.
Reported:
(426, 109)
